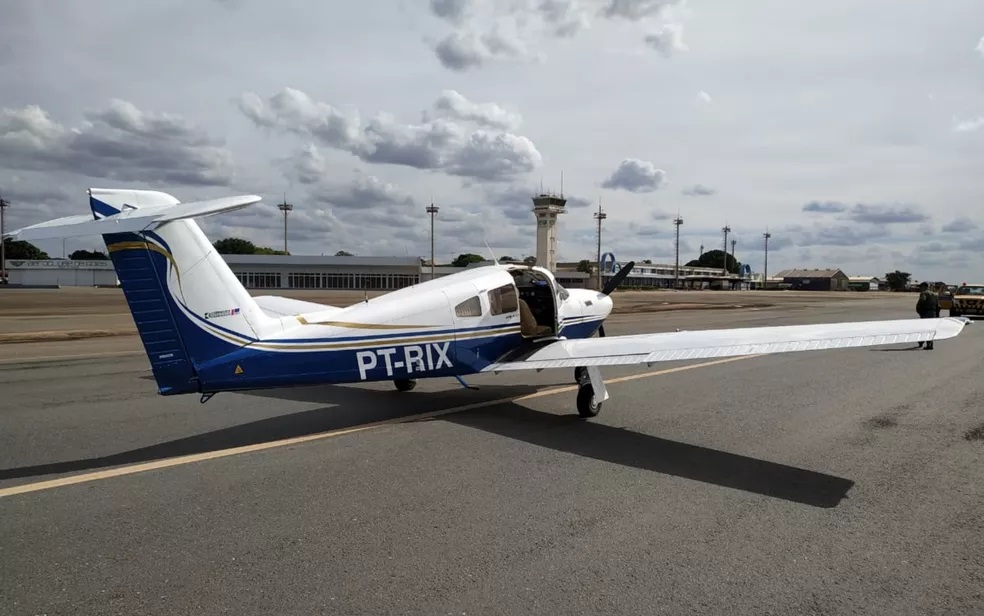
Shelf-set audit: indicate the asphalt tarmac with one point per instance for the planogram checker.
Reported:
(831, 482)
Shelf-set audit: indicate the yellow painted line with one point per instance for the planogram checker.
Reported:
(223, 453)
(27, 360)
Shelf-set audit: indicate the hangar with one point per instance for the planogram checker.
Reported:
(815, 279)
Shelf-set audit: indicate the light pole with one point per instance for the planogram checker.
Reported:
(432, 210)
(600, 216)
(4, 204)
(765, 274)
(726, 230)
(677, 222)
(286, 208)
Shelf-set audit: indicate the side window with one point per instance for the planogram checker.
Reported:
(504, 300)
(471, 307)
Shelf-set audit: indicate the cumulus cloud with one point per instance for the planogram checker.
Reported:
(824, 207)
(119, 142)
(564, 18)
(635, 10)
(503, 30)
(867, 213)
(451, 104)
(698, 190)
(960, 225)
(453, 11)
(667, 40)
(462, 50)
(835, 235)
(636, 176)
(436, 144)
(886, 214)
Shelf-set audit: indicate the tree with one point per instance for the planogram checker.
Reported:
(343, 253)
(239, 246)
(235, 246)
(263, 250)
(19, 249)
(463, 260)
(715, 259)
(584, 265)
(647, 261)
(530, 260)
(88, 255)
(897, 281)
(507, 259)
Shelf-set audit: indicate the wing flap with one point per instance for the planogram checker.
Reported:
(676, 346)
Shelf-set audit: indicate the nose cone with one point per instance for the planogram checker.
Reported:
(604, 304)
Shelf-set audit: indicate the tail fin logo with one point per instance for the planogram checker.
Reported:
(222, 313)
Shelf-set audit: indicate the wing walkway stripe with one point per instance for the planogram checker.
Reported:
(222, 453)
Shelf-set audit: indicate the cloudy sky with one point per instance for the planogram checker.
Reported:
(852, 129)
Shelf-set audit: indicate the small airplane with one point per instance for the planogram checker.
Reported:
(204, 333)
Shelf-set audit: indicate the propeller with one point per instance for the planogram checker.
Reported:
(612, 284)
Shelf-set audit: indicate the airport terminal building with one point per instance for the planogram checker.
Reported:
(329, 272)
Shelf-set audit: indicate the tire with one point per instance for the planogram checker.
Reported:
(405, 384)
(580, 375)
(586, 405)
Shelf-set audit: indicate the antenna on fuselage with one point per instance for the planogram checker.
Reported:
(494, 260)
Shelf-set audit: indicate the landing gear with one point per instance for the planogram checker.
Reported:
(405, 384)
(587, 406)
(591, 391)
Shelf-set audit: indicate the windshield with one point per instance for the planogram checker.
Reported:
(974, 290)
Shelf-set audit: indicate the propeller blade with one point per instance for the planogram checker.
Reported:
(618, 278)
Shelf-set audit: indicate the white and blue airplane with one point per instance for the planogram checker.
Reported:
(204, 333)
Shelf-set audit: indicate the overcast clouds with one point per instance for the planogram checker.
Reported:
(853, 131)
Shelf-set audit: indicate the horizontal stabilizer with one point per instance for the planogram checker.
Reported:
(130, 220)
(675, 346)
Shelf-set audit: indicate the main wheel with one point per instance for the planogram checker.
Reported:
(580, 375)
(586, 404)
(405, 384)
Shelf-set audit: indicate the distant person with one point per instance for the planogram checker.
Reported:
(928, 307)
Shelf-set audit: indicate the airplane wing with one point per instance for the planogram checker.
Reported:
(673, 346)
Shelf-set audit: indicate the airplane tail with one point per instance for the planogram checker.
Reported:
(188, 306)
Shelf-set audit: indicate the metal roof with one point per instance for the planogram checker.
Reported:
(320, 260)
(807, 273)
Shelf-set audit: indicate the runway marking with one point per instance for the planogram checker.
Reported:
(28, 360)
(222, 453)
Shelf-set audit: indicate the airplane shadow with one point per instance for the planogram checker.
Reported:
(896, 349)
(564, 433)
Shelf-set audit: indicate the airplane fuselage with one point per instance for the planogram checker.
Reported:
(409, 334)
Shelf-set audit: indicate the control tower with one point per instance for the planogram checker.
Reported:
(547, 207)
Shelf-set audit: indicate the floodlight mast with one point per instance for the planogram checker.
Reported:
(677, 222)
(600, 215)
(4, 204)
(432, 211)
(286, 208)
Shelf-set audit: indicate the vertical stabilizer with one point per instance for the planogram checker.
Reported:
(188, 306)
